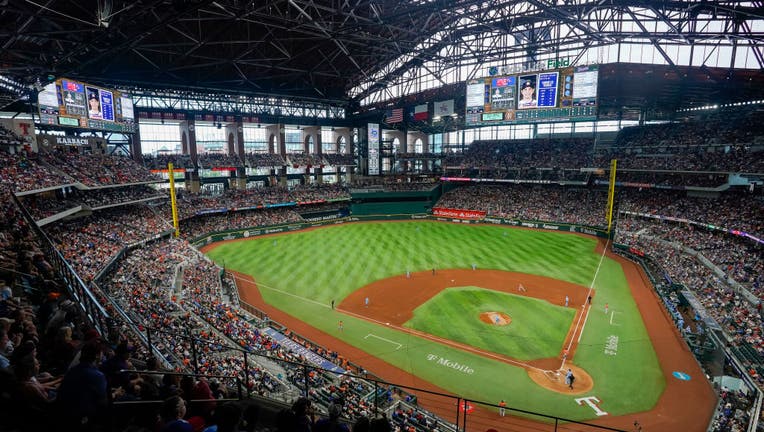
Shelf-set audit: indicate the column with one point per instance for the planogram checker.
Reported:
(188, 144)
(135, 146)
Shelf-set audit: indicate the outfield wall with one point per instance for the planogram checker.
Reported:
(274, 229)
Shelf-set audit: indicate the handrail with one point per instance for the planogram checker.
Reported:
(77, 289)
(756, 409)
(377, 383)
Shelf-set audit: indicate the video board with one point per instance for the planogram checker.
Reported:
(568, 94)
(71, 103)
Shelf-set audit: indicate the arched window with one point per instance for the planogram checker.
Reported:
(418, 146)
(396, 145)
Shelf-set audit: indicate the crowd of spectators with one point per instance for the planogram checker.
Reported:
(735, 313)
(89, 243)
(9, 138)
(506, 154)
(254, 160)
(740, 319)
(167, 285)
(265, 160)
(42, 206)
(190, 204)
(394, 183)
(160, 161)
(538, 203)
(217, 160)
(141, 284)
(670, 179)
(721, 141)
(718, 143)
(98, 170)
(417, 156)
(339, 159)
(55, 369)
(298, 160)
(739, 158)
(732, 210)
(192, 227)
(24, 172)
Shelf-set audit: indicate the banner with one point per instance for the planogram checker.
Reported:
(300, 350)
(458, 213)
(373, 139)
(444, 108)
(690, 222)
(166, 171)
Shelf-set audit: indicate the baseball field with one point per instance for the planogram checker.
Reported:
(478, 311)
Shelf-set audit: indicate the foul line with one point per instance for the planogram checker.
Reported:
(405, 330)
(386, 340)
(260, 284)
(585, 316)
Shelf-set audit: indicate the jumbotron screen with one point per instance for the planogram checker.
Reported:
(71, 103)
(568, 94)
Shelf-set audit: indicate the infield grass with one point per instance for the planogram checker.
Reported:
(300, 273)
(458, 318)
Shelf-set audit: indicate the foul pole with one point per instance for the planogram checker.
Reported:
(173, 203)
(611, 195)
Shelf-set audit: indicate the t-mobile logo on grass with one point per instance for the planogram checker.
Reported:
(450, 363)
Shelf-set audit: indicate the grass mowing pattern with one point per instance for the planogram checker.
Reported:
(537, 330)
(300, 273)
(346, 257)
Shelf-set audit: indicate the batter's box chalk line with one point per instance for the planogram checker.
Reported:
(398, 346)
(553, 375)
(613, 315)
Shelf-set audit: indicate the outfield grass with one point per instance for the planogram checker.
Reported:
(300, 273)
(537, 330)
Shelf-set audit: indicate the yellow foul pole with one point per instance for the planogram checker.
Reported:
(173, 202)
(611, 194)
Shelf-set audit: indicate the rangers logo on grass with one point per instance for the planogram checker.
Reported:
(593, 402)
(450, 363)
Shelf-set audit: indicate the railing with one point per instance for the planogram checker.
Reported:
(136, 412)
(453, 412)
(76, 288)
(716, 336)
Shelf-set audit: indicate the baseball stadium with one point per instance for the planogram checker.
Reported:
(413, 216)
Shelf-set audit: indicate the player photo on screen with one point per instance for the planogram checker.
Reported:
(74, 98)
(503, 92)
(527, 90)
(94, 103)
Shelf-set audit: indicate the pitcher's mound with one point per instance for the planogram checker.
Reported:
(495, 318)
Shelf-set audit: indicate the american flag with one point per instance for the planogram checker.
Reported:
(394, 115)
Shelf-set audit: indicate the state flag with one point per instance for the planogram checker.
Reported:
(421, 113)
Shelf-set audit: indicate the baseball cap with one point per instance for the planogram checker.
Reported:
(527, 84)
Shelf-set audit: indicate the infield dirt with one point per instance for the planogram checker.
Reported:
(684, 405)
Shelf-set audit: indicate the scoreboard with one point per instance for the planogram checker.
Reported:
(568, 94)
(76, 104)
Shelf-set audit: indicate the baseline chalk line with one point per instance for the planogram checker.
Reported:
(386, 340)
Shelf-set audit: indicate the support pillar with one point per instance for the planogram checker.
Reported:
(188, 144)
(277, 144)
